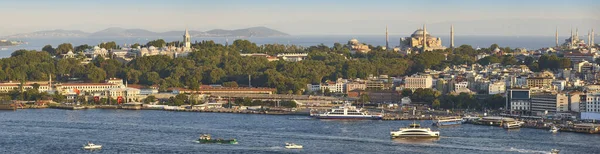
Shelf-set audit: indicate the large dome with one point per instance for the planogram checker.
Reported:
(419, 33)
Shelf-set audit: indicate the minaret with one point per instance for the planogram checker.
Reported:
(589, 39)
(424, 37)
(593, 43)
(387, 39)
(186, 39)
(577, 33)
(572, 37)
(452, 36)
(556, 37)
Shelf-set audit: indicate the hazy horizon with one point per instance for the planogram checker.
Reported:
(312, 17)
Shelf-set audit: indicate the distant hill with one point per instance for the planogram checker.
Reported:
(51, 33)
(122, 32)
(247, 32)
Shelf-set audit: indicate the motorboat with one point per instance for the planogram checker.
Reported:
(205, 138)
(293, 146)
(91, 146)
(414, 130)
(554, 129)
(445, 121)
(554, 151)
(346, 111)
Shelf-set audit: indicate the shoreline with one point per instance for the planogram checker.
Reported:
(285, 113)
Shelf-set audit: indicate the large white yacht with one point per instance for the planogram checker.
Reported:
(415, 131)
(346, 111)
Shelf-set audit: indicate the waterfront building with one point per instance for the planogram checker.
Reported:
(6, 87)
(546, 103)
(518, 100)
(592, 102)
(335, 87)
(350, 86)
(421, 39)
(418, 81)
(207, 89)
(124, 94)
(575, 101)
(313, 87)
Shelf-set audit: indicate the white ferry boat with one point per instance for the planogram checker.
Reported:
(512, 124)
(346, 111)
(415, 131)
(445, 121)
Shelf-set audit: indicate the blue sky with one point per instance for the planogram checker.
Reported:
(306, 17)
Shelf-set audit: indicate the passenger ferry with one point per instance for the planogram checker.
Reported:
(346, 111)
(445, 121)
(415, 131)
(511, 124)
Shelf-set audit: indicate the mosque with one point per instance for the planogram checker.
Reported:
(574, 42)
(421, 40)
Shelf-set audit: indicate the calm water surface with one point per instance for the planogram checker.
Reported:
(126, 131)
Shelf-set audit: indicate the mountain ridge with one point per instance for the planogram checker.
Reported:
(260, 31)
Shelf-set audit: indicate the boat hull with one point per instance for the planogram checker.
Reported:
(92, 147)
(218, 141)
(293, 147)
(349, 117)
(448, 123)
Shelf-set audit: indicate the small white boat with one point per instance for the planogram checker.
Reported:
(292, 146)
(554, 129)
(554, 151)
(91, 146)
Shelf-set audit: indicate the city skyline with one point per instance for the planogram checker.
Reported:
(529, 18)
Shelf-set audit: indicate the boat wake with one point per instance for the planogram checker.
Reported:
(526, 151)
(305, 118)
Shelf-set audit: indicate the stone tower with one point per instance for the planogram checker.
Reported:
(556, 37)
(187, 40)
(387, 39)
(451, 36)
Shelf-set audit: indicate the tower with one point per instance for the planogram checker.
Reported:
(556, 37)
(186, 40)
(589, 39)
(451, 36)
(593, 43)
(424, 37)
(387, 39)
(572, 38)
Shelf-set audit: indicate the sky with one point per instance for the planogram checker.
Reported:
(307, 17)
